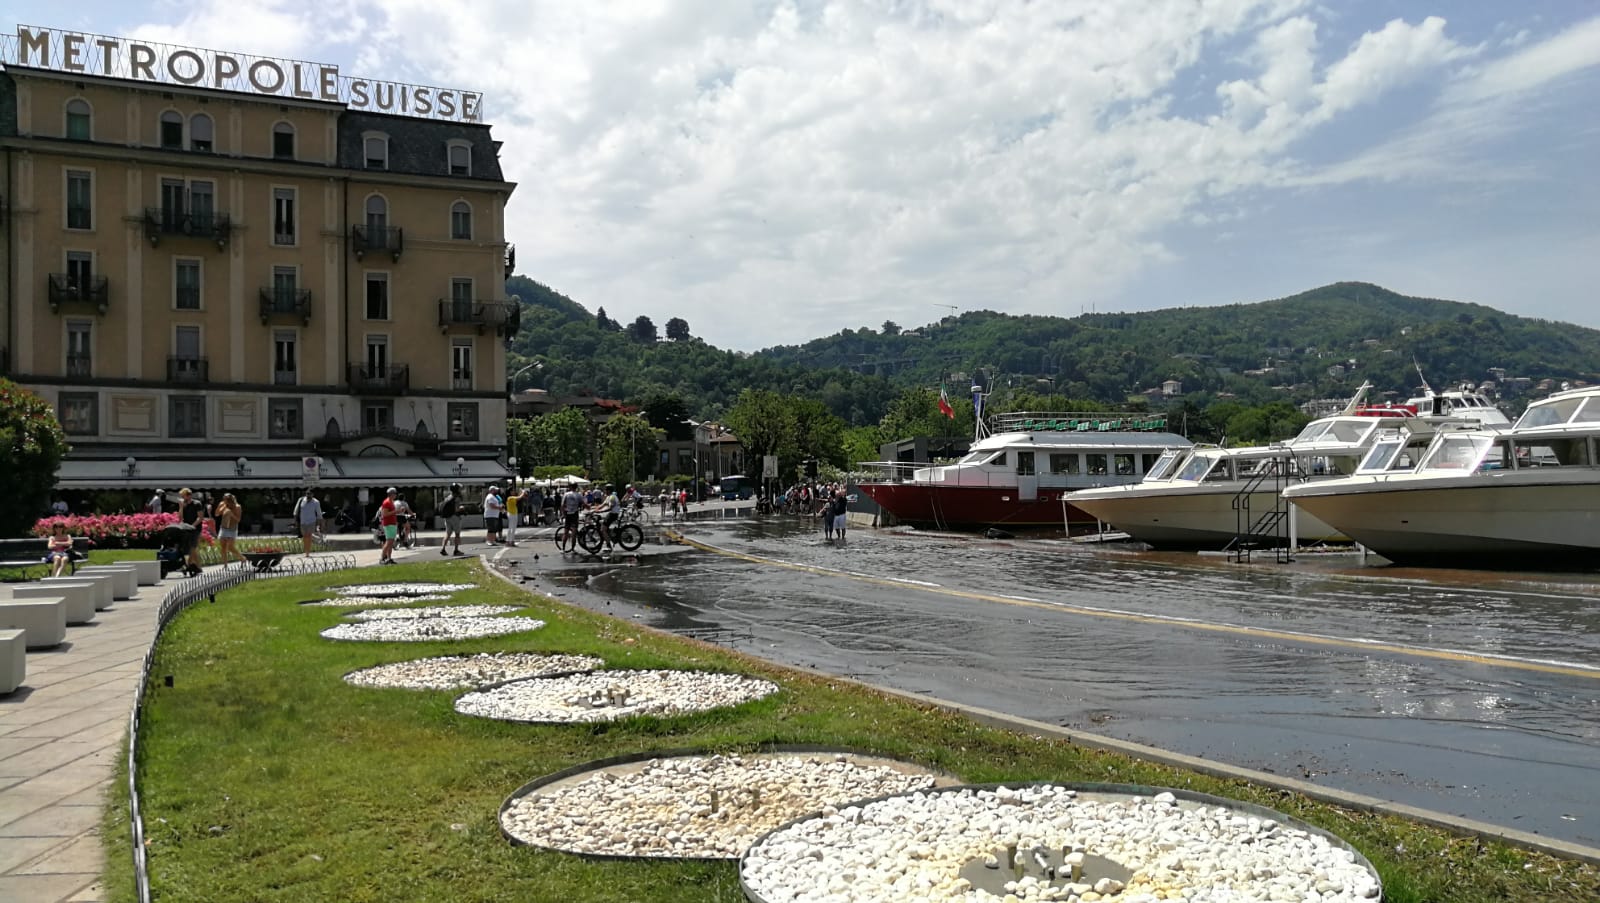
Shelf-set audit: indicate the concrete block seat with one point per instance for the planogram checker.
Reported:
(78, 597)
(149, 571)
(43, 622)
(13, 660)
(103, 593)
(126, 579)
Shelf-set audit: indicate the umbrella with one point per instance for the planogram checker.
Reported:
(570, 480)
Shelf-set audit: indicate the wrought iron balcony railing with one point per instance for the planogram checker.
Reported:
(377, 238)
(80, 365)
(161, 223)
(366, 379)
(66, 288)
(286, 302)
(504, 317)
(182, 369)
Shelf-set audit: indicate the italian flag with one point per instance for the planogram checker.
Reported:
(944, 404)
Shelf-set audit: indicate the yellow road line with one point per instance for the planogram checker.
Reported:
(1134, 617)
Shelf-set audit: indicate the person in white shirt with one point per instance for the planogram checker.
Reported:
(491, 515)
(157, 503)
(308, 517)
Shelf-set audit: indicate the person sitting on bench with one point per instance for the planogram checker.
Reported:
(58, 551)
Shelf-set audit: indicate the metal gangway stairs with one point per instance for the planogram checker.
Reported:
(1269, 528)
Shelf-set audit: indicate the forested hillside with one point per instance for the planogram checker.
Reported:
(1321, 343)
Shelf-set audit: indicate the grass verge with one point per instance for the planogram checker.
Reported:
(265, 777)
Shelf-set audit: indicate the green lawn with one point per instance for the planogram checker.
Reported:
(266, 777)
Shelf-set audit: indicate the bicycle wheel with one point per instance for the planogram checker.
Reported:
(589, 537)
(630, 536)
(561, 540)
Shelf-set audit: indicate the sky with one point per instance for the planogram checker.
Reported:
(773, 172)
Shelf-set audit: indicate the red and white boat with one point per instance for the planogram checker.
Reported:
(1019, 476)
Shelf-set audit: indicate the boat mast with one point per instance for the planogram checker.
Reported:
(979, 430)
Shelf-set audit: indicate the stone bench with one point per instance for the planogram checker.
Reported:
(78, 597)
(149, 570)
(103, 594)
(13, 660)
(125, 583)
(42, 621)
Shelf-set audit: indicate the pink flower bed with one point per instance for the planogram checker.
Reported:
(133, 527)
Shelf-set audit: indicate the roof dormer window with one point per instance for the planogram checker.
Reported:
(460, 154)
(172, 130)
(376, 151)
(78, 120)
(200, 133)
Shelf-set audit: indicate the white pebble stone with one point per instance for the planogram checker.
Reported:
(610, 695)
(456, 672)
(422, 630)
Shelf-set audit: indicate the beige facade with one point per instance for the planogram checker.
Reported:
(227, 275)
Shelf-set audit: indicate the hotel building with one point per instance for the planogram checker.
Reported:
(232, 272)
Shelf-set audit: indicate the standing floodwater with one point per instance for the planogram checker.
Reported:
(1471, 694)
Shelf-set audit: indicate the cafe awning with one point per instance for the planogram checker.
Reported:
(224, 474)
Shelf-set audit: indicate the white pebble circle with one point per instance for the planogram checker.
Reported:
(434, 611)
(424, 630)
(359, 601)
(1178, 846)
(695, 805)
(611, 695)
(458, 672)
(398, 589)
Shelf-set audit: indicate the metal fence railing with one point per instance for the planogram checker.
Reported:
(178, 599)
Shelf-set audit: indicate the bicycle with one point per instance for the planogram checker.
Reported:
(565, 541)
(626, 533)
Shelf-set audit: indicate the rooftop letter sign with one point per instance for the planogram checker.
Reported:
(86, 54)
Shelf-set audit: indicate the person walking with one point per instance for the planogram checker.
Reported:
(307, 518)
(571, 508)
(228, 514)
(189, 512)
(157, 503)
(839, 513)
(450, 510)
(491, 515)
(512, 500)
(389, 520)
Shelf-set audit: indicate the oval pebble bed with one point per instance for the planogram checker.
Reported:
(423, 630)
(436, 611)
(696, 806)
(398, 589)
(457, 672)
(610, 695)
(360, 601)
(1048, 842)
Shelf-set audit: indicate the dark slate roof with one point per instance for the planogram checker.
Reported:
(417, 146)
(8, 106)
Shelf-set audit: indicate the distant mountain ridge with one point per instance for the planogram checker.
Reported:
(1319, 343)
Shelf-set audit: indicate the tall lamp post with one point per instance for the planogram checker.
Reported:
(511, 401)
(699, 490)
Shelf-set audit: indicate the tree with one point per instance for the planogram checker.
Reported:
(669, 414)
(603, 321)
(678, 329)
(816, 432)
(890, 327)
(627, 449)
(762, 421)
(561, 438)
(643, 330)
(31, 448)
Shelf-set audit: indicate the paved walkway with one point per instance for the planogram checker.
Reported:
(60, 735)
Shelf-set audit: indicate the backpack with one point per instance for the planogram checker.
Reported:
(448, 507)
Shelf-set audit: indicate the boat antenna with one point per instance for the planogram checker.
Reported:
(1425, 387)
(1355, 400)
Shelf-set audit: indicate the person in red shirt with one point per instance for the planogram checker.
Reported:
(389, 519)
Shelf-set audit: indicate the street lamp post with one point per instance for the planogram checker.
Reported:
(511, 401)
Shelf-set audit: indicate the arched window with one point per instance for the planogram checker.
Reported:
(377, 213)
(460, 154)
(172, 130)
(376, 148)
(200, 133)
(283, 141)
(461, 220)
(78, 119)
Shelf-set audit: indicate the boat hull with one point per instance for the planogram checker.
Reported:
(1523, 520)
(1196, 518)
(966, 507)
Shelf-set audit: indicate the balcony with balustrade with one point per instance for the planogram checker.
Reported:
(188, 369)
(368, 239)
(504, 317)
(74, 291)
(279, 303)
(367, 379)
(160, 223)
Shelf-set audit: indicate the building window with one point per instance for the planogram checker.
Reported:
(377, 415)
(377, 296)
(79, 413)
(283, 141)
(80, 357)
(202, 205)
(186, 416)
(377, 356)
(285, 369)
(200, 133)
(377, 151)
(186, 284)
(283, 224)
(80, 199)
(460, 159)
(283, 418)
(461, 364)
(186, 364)
(78, 120)
(80, 270)
(172, 130)
(463, 420)
(461, 220)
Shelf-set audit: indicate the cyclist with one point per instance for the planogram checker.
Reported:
(611, 507)
(571, 506)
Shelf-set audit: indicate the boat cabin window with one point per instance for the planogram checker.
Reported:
(1550, 413)
(1025, 463)
(1195, 468)
(1124, 465)
(1571, 452)
(1149, 459)
(1157, 469)
(1382, 456)
(1350, 430)
(975, 457)
(999, 459)
(1457, 451)
(1097, 464)
(1311, 431)
(1064, 463)
(1590, 412)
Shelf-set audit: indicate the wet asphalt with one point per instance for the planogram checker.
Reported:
(1471, 693)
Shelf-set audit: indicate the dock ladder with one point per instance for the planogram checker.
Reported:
(1253, 531)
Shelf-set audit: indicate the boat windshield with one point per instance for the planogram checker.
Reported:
(1458, 451)
(1195, 468)
(1350, 430)
(1554, 412)
(1384, 455)
(1163, 464)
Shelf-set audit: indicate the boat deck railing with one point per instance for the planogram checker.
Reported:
(1080, 422)
(948, 474)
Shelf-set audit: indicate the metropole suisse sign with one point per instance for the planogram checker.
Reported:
(82, 53)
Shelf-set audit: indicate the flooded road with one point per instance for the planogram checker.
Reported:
(1466, 693)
